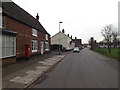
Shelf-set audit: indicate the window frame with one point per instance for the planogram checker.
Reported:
(46, 36)
(0, 16)
(47, 47)
(34, 46)
(34, 32)
(8, 50)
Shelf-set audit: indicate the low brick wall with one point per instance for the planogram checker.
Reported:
(8, 61)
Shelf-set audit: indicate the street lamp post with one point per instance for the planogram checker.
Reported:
(59, 37)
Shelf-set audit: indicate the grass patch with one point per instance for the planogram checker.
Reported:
(115, 52)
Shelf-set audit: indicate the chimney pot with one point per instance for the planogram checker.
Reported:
(37, 17)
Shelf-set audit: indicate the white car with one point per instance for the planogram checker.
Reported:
(76, 49)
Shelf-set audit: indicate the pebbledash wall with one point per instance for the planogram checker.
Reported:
(15, 35)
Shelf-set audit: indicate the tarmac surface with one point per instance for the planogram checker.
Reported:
(86, 69)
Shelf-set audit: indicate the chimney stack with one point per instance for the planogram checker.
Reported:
(95, 41)
(68, 35)
(63, 31)
(92, 38)
(37, 17)
(80, 41)
(75, 37)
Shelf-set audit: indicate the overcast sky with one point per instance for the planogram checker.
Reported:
(81, 18)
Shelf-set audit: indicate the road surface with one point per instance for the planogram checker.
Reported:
(86, 69)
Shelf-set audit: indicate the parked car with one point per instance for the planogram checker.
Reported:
(76, 49)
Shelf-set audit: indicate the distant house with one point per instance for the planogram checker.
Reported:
(78, 42)
(19, 29)
(62, 39)
(93, 43)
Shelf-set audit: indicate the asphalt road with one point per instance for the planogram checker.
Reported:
(86, 69)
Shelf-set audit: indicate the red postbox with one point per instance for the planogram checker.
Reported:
(27, 51)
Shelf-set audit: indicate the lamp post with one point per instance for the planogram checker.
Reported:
(59, 37)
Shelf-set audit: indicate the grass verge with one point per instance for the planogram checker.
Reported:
(115, 52)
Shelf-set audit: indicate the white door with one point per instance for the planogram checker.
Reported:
(42, 47)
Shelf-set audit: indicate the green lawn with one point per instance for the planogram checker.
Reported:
(115, 52)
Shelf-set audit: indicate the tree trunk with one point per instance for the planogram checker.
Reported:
(109, 47)
(115, 43)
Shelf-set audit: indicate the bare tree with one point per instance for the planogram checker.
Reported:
(107, 34)
(115, 34)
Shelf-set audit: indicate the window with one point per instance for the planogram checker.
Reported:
(34, 32)
(34, 45)
(42, 44)
(46, 46)
(8, 46)
(0, 45)
(46, 37)
(0, 20)
(0, 17)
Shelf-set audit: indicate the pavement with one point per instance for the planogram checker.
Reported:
(23, 73)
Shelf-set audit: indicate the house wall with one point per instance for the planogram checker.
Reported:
(68, 45)
(64, 40)
(72, 46)
(8, 61)
(24, 36)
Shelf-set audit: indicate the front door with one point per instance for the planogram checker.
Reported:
(42, 47)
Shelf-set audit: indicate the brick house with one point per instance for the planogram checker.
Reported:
(19, 28)
(78, 42)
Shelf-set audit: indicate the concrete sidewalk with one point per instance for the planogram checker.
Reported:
(21, 75)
